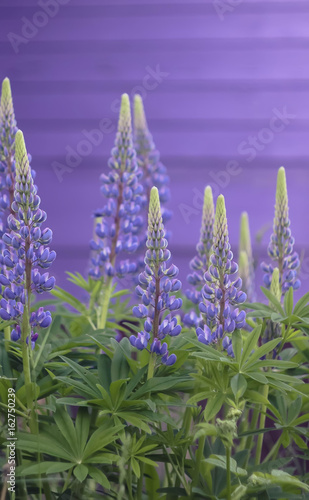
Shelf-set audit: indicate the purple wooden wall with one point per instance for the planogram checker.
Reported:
(224, 71)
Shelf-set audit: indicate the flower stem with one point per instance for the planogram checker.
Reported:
(107, 290)
(228, 473)
(7, 336)
(262, 425)
(151, 365)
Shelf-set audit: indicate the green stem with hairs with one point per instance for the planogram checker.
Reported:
(107, 293)
(228, 473)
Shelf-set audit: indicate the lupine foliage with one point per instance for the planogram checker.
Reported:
(158, 397)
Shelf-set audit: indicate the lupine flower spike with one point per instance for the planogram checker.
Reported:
(221, 292)
(154, 172)
(26, 250)
(273, 330)
(118, 222)
(246, 268)
(157, 284)
(8, 131)
(280, 248)
(200, 263)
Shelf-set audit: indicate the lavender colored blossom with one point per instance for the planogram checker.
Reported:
(246, 267)
(154, 172)
(221, 292)
(280, 248)
(26, 252)
(156, 285)
(200, 263)
(118, 222)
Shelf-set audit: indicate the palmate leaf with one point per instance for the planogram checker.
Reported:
(220, 461)
(44, 443)
(67, 429)
(44, 468)
(80, 472)
(99, 477)
(100, 439)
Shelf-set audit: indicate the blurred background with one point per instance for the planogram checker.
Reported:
(226, 91)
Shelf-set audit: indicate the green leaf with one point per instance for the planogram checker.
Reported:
(250, 344)
(237, 344)
(158, 384)
(135, 467)
(238, 385)
(213, 406)
(301, 304)
(288, 301)
(99, 477)
(45, 468)
(220, 461)
(256, 397)
(273, 300)
(294, 409)
(101, 438)
(82, 426)
(81, 472)
(104, 370)
(260, 352)
(66, 427)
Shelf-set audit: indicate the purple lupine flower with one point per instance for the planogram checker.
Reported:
(8, 129)
(200, 263)
(156, 287)
(154, 172)
(25, 251)
(221, 292)
(118, 222)
(280, 248)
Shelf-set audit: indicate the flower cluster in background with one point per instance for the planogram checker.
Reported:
(280, 248)
(221, 290)
(156, 285)
(148, 157)
(25, 251)
(245, 259)
(200, 263)
(118, 222)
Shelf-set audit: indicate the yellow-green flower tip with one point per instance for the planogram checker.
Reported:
(220, 207)
(245, 239)
(6, 93)
(21, 155)
(281, 191)
(139, 113)
(154, 197)
(208, 198)
(275, 286)
(125, 114)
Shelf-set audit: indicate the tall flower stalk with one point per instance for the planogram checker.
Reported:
(118, 223)
(280, 248)
(200, 263)
(245, 260)
(26, 250)
(156, 285)
(154, 172)
(8, 129)
(221, 292)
